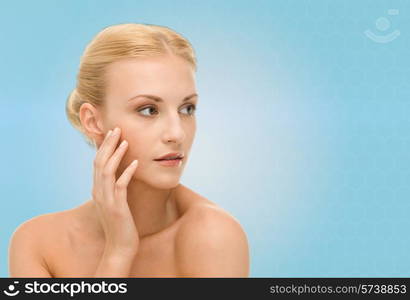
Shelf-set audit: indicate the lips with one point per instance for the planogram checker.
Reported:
(170, 156)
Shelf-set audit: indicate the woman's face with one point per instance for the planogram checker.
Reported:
(152, 128)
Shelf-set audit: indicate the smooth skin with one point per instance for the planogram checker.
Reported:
(140, 221)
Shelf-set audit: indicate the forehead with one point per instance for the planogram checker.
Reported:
(165, 76)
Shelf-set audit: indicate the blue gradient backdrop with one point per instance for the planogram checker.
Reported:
(303, 123)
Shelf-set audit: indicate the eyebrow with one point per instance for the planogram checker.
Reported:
(159, 99)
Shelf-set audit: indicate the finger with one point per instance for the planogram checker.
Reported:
(105, 140)
(96, 161)
(122, 182)
(107, 150)
(112, 166)
(114, 161)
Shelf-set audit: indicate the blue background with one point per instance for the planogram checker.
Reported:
(303, 123)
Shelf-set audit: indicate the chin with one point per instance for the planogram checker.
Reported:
(160, 181)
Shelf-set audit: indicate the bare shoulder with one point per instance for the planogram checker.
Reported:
(38, 227)
(27, 246)
(211, 243)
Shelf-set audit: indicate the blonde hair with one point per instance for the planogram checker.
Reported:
(112, 44)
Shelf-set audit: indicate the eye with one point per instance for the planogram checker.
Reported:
(146, 108)
(152, 108)
(193, 109)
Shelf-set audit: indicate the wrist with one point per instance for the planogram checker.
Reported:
(119, 253)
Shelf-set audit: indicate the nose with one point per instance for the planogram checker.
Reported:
(174, 130)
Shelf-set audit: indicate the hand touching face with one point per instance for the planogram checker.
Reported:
(153, 101)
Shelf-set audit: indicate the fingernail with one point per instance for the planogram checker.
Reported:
(123, 143)
(134, 162)
(116, 130)
(109, 133)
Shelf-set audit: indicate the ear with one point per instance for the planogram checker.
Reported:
(91, 121)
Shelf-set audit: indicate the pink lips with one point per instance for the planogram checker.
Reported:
(170, 163)
(174, 154)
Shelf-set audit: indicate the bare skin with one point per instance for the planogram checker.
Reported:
(163, 229)
(74, 245)
(69, 244)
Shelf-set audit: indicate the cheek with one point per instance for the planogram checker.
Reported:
(139, 147)
(191, 134)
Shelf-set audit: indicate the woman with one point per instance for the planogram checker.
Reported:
(135, 101)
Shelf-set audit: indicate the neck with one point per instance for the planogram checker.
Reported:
(152, 209)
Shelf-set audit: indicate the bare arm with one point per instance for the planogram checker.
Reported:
(25, 257)
(110, 196)
(115, 264)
